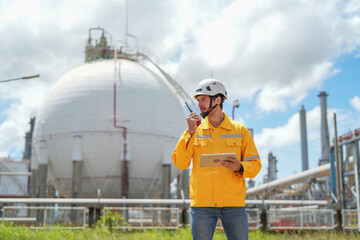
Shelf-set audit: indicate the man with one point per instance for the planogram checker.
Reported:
(217, 192)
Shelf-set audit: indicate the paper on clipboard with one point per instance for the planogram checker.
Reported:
(213, 160)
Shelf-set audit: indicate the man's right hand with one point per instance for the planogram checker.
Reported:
(192, 120)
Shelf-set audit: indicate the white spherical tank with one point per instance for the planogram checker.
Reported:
(76, 122)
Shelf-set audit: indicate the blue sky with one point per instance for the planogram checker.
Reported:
(274, 56)
(341, 87)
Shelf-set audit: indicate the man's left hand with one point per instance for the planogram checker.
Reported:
(231, 163)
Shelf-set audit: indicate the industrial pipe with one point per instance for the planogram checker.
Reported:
(349, 135)
(304, 142)
(14, 196)
(124, 182)
(15, 173)
(121, 201)
(321, 171)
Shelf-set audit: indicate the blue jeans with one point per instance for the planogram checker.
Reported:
(234, 221)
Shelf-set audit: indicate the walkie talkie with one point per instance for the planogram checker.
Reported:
(198, 122)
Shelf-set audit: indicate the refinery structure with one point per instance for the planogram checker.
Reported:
(107, 128)
(108, 125)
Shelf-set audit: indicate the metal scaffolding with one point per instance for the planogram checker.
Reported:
(349, 164)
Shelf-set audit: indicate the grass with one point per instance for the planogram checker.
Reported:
(97, 233)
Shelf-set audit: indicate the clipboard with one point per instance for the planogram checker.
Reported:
(213, 160)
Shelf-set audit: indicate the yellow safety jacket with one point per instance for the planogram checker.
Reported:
(217, 186)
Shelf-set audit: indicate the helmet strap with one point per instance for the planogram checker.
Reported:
(205, 114)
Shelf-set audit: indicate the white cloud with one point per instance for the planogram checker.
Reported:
(289, 133)
(352, 6)
(278, 98)
(25, 100)
(355, 102)
(274, 52)
(284, 140)
(280, 50)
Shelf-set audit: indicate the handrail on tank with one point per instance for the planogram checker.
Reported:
(98, 28)
(148, 55)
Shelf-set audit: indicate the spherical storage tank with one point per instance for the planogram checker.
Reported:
(76, 122)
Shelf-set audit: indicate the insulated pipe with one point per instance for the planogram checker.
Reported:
(349, 135)
(321, 171)
(119, 201)
(15, 173)
(124, 182)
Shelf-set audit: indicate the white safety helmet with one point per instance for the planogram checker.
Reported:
(210, 87)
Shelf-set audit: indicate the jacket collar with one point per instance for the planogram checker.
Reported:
(226, 123)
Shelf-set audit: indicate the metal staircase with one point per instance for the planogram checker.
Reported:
(179, 90)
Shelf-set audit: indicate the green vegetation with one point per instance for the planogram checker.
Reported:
(105, 233)
(105, 230)
(316, 235)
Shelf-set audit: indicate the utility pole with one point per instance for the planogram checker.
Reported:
(337, 175)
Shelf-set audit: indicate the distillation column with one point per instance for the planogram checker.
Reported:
(272, 167)
(325, 140)
(304, 145)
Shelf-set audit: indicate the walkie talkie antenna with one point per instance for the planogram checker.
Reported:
(198, 122)
(188, 107)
